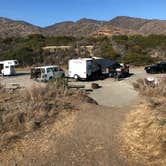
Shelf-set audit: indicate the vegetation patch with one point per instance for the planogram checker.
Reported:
(24, 111)
(144, 132)
(134, 49)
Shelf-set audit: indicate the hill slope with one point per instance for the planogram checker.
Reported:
(118, 25)
(84, 27)
(143, 26)
(12, 28)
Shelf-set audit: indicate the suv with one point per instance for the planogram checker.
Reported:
(45, 73)
(156, 68)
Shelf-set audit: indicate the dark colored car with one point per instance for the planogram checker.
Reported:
(156, 68)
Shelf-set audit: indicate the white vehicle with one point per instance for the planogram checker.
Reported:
(7, 67)
(83, 68)
(45, 73)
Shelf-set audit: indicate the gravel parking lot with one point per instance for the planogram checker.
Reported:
(117, 93)
(112, 93)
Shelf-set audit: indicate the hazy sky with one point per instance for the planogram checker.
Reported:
(47, 12)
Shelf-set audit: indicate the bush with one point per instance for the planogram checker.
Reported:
(137, 59)
(154, 94)
(144, 131)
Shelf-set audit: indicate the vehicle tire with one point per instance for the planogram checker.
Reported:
(76, 77)
(50, 78)
(148, 71)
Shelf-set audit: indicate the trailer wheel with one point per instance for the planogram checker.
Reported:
(76, 77)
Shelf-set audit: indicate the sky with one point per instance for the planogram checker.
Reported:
(48, 12)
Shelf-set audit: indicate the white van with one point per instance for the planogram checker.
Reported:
(45, 73)
(7, 67)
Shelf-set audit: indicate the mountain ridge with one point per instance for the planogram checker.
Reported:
(84, 27)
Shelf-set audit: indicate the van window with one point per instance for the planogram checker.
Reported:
(6, 67)
(49, 70)
(55, 69)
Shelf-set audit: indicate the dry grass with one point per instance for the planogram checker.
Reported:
(27, 110)
(144, 132)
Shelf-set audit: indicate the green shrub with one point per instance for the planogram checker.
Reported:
(137, 59)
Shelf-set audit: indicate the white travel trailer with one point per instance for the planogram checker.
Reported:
(45, 73)
(83, 69)
(7, 67)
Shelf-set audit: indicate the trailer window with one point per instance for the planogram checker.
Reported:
(12, 67)
(16, 62)
(89, 65)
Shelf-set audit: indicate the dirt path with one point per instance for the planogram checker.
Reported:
(94, 139)
(88, 138)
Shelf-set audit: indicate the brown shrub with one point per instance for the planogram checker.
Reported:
(27, 110)
(155, 95)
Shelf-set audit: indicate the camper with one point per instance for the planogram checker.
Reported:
(46, 73)
(96, 68)
(7, 67)
(84, 69)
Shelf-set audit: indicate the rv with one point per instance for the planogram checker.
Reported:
(84, 69)
(45, 73)
(7, 68)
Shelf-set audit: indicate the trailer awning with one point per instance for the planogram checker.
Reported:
(106, 63)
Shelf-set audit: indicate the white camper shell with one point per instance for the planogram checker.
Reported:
(7, 67)
(83, 68)
(45, 73)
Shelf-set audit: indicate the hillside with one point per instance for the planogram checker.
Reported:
(143, 26)
(12, 28)
(118, 26)
(85, 27)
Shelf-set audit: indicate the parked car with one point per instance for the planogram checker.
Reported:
(45, 73)
(156, 68)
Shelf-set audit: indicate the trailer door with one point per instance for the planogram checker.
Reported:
(89, 68)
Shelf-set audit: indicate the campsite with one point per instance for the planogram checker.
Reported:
(82, 83)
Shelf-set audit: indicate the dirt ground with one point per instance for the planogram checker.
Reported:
(112, 93)
(89, 137)
(117, 93)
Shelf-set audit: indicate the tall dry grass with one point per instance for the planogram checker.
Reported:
(155, 95)
(144, 132)
(27, 110)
